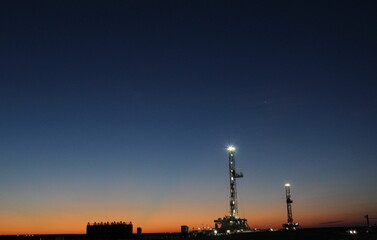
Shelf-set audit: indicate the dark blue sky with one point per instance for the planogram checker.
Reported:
(155, 90)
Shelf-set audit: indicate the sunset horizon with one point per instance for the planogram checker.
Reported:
(130, 111)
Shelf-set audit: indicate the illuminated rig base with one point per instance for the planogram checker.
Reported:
(291, 226)
(230, 224)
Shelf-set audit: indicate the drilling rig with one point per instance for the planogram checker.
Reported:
(232, 223)
(289, 225)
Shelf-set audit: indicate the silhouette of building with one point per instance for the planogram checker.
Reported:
(109, 231)
(139, 231)
(185, 230)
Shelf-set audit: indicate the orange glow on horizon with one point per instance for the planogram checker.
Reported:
(158, 223)
(167, 215)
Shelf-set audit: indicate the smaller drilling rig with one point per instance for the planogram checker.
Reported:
(289, 225)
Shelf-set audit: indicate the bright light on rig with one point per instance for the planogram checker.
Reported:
(352, 231)
(231, 149)
(287, 185)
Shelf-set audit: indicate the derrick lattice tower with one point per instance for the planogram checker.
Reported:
(289, 202)
(232, 223)
(289, 225)
(233, 175)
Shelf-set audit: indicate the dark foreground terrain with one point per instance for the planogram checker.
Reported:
(303, 234)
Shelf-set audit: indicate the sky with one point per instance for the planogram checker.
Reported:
(122, 111)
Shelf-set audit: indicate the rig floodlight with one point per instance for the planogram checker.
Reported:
(231, 149)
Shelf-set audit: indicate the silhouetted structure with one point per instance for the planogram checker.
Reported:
(109, 231)
(232, 223)
(184, 230)
(367, 217)
(290, 225)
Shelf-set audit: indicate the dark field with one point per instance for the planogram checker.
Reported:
(303, 234)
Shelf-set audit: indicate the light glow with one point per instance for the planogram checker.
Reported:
(287, 185)
(231, 149)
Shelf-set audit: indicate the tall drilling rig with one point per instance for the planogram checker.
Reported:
(289, 225)
(232, 223)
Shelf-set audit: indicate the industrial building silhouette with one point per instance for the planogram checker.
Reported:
(109, 231)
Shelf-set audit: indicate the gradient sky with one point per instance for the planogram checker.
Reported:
(122, 111)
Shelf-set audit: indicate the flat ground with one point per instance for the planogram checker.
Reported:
(303, 234)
